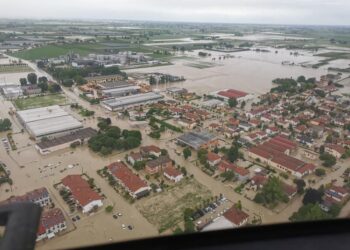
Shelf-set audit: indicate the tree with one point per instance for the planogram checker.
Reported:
(301, 79)
(243, 103)
(271, 193)
(42, 79)
(139, 165)
(23, 81)
(300, 185)
(32, 78)
(187, 153)
(163, 152)
(232, 102)
(312, 196)
(54, 88)
(228, 175)
(232, 154)
(109, 209)
(43, 86)
(5, 124)
(202, 155)
(328, 160)
(309, 212)
(320, 172)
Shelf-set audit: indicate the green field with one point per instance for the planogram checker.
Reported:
(165, 210)
(51, 51)
(39, 101)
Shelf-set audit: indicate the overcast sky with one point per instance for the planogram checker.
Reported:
(328, 12)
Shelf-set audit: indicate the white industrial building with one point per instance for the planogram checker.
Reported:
(49, 122)
(11, 91)
(131, 101)
(117, 92)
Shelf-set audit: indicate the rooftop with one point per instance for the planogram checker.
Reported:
(196, 140)
(133, 99)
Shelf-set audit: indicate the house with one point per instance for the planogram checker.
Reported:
(186, 123)
(134, 157)
(150, 150)
(336, 150)
(136, 187)
(232, 218)
(241, 173)
(337, 193)
(83, 194)
(245, 126)
(289, 190)
(38, 196)
(213, 159)
(258, 181)
(51, 222)
(154, 166)
(310, 154)
(173, 174)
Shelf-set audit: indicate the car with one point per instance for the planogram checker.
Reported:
(130, 227)
(73, 219)
(120, 214)
(115, 216)
(78, 217)
(123, 226)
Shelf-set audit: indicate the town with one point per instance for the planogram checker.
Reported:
(112, 146)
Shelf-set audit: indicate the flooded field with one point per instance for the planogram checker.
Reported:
(250, 71)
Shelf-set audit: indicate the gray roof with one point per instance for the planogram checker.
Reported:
(37, 114)
(196, 140)
(133, 99)
(121, 90)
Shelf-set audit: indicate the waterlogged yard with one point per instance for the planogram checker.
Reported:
(40, 101)
(166, 209)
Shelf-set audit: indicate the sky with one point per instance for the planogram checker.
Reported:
(319, 12)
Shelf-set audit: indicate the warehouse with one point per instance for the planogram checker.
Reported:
(49, 122)
(198, 140)
(11, 91)
(131, 101)
(118, 92)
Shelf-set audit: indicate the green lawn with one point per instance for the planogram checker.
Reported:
(39, 101)
(51, 51)
(15, 69)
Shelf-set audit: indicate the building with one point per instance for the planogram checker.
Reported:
(173, 174)
(227, 94)
(135, 186)
(154, 166)
(232, 218)
(150, 150)
(213, 159)
(83, 194)
(336, 150)
(198, 140)
(176, 91)
(51, 223)
(11, 91)
(134, 157)
(131, 101)
(241, 173)
(31, 90)
(77, 137)
(337, 193)
(212, 103)
(38, 196)
(118, 92)
(275, 153)
(49, 122)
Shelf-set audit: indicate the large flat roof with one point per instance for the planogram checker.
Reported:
(196, 140)
(133, 99)
(48, 120)
(120, 90)
(53, 125)
(37, 114)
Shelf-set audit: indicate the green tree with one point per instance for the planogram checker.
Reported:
(232, 102)
(312, 196)
(243, 103)
(202, 155)
(109, 209)
(32, 78)
(301, 79)
(23, 81)
(309, 212)
(43, 86)
(228, 175)
(300, 185)
(271, 193)
(232, 154)
(5, 124)
(320, 172)
(328, 160)
(187, 153)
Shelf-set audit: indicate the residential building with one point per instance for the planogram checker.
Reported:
(336, 150)
(213, 159)
(154, 166)
(173, 174)
(51, 222)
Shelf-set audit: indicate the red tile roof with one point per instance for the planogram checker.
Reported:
(213, 157)
(171, 171)
(80, 189)
(235, 215)
(232, 93)
(121, 172)
(49, 219)
(336, 147)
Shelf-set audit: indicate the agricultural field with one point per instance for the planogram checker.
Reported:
(39, 101)
(15, 69)
(165, 210)
(201, 65)
(51, 51)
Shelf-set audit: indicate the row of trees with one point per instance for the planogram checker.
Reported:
(272, 193)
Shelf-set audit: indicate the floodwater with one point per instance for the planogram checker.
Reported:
(249, 71)
(261, 36)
